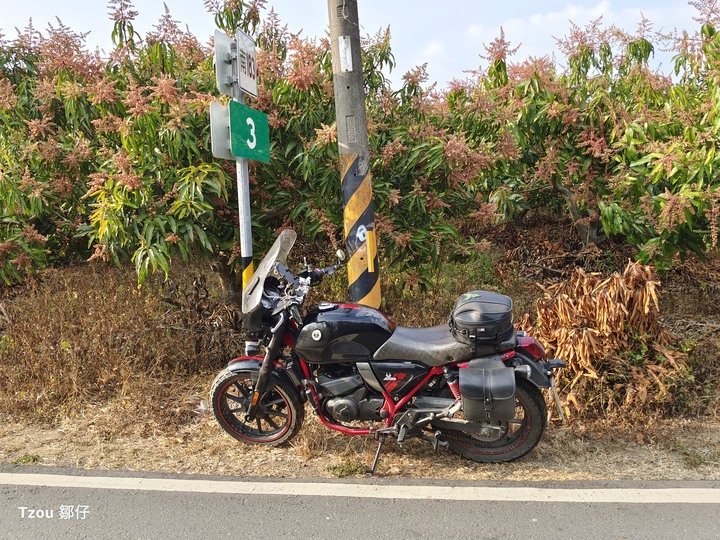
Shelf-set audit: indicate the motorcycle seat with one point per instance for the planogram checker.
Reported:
(434, 346)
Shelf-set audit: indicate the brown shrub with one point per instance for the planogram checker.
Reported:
(608, 330)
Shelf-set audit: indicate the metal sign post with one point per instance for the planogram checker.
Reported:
(239, 132)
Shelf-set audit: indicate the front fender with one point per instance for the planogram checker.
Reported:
(253, 364)
(245, 363)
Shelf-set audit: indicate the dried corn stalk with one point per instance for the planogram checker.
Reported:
(608, 330)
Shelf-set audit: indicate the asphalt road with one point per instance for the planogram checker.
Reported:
(52, 503)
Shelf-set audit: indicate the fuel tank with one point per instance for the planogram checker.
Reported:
(342, 333)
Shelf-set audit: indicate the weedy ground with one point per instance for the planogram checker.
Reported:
(664, 450)
(97, 373)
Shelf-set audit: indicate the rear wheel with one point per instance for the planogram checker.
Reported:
(504, 441)
(279, 412)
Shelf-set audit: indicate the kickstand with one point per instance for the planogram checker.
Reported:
(371, 470)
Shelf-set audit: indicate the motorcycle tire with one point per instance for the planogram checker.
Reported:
(279, 413)
(522, 434)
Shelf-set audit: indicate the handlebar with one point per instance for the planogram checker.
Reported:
(316, 276)
(299, 287)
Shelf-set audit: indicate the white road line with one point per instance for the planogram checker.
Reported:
(315, 489)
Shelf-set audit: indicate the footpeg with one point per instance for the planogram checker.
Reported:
(435, 441)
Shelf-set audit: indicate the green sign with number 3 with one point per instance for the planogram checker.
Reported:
(249, 133)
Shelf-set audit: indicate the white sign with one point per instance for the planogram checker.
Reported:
(246, 65)
(220, 131)
(346, 63)
(224, 57)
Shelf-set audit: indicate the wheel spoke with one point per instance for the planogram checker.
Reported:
(236, 399)
(270, 421)
(280, 414)
(245, 392)
(274, 402)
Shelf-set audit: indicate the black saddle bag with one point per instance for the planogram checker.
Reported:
(487, 387)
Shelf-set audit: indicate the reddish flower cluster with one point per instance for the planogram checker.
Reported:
(394, 198)
(172, 238)
(81, 153)
(31, 186)
(7, 247)
(305, 70)
(136, 101)
(108, 123)
(8, 99)
(547, 166)
(466, 163)
(595, 144)
(486, 214)
(100, 252)
(41, 128)
(326, 134)
(62, 186)
(713, 216)
(391, 150)
(417, 75)
(673, 211)
(126, 176)
(97, 181)
(403, 240)
(22, 260)
(165, 89)
(31, 235)
(542, 68)
(102, 91)
(499, 49)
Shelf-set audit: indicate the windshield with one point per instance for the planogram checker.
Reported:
(252, 294)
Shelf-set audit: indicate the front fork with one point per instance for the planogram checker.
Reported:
(271, 353)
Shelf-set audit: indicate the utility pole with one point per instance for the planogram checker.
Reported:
(351, 120)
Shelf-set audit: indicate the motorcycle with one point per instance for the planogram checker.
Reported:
(472, 386)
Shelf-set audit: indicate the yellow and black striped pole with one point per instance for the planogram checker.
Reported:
(363, 283)
(358, 211)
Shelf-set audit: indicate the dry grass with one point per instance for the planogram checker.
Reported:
(88, 335)
(97, 439)
(95, 373)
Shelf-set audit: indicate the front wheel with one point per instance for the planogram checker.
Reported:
(516, 437)
(279, 412)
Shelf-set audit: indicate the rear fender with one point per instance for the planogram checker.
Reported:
(539, 375)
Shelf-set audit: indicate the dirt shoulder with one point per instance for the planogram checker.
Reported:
(666, 450)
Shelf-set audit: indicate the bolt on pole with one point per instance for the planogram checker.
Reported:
(356, 178)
